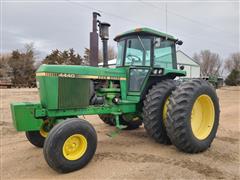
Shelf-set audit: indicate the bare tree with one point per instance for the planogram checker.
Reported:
(233, 62)
(22, 65)
(86, 56)
(210, 63)
(112, 54)
(5, 69)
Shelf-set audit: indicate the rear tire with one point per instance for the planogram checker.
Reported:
(153, 110)
(70, 145)
(193, 116)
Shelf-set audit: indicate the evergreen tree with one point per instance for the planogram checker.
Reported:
(68, 57)
(233, 78)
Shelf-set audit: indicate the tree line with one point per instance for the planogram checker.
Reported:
(211, 64)
(19, 67)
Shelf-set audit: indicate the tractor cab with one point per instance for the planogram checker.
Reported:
(146, 47)
(146, 52)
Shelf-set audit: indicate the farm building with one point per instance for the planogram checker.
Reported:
(190, 65)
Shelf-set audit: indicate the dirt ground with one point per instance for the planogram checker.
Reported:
(131, 154)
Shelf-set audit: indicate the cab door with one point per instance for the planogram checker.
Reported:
(138, 58)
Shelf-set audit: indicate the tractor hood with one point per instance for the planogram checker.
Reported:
(85, 72)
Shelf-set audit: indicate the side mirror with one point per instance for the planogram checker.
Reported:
(157, 42)
(179, 42)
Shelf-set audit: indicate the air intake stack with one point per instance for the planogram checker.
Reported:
(104, 35)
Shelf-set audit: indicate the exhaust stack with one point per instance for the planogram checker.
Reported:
(93, 57)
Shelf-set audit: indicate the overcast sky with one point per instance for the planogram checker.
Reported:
(66, 24)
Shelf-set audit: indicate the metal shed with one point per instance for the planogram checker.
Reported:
(190, 65)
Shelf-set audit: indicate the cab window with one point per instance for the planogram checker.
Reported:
(164, 54)
(138, 52)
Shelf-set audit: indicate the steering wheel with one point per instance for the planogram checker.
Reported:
(133, 58)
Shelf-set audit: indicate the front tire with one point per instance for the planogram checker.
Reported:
(107, 119)
(193, 116)
(38, 137)
(123, 119)
(35, 138)
(70, 145)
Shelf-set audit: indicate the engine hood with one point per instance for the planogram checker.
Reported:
(76, 71)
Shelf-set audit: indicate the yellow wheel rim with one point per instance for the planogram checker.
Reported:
(165, 110)
(43, 133)
(202, 118)
(74, 147)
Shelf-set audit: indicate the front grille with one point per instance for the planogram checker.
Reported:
(73, 93)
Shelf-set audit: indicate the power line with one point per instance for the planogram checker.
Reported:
(191, 35)
(187, 18)
(104, 12)
(133, 21)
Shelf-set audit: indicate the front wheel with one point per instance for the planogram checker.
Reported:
(38, 137)
(193, 116)
(70, 145)
(123, 119)
(35, 138)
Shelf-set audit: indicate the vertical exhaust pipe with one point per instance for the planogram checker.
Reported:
(93, 57)
(104, 34)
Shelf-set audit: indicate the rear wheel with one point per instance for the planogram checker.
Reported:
(155, 110)
(193, 116)
(70, 145)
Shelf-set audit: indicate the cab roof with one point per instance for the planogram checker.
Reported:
(146, 31)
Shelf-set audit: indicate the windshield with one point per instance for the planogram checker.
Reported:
(137, 52)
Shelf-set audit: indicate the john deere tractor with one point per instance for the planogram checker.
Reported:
(141, 89)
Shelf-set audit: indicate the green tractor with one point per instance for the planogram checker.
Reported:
(141, 89)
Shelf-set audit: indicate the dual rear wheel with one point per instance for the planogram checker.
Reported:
(186, 115)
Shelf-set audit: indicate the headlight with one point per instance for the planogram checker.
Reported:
(160, 71)
(155, 71)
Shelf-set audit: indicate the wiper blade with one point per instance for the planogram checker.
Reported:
(141, 43)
